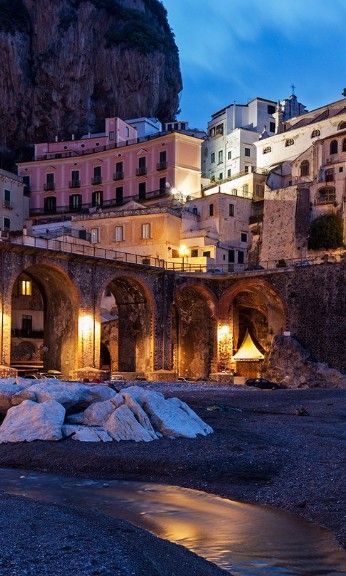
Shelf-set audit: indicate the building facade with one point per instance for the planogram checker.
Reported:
(14, 202)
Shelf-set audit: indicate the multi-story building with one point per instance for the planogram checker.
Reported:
(229, 148)
(306, 177)
(14, 202)
(106, 170)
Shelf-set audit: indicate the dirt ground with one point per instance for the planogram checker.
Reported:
(262, 450)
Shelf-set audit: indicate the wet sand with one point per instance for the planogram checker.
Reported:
(261, 451)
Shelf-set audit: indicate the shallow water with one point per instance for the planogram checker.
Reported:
(245, 539)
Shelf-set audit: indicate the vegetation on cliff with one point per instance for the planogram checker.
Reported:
(326, 232)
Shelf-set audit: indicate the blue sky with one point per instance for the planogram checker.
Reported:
(238, 49)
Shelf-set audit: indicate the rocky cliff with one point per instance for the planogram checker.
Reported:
(67, 64)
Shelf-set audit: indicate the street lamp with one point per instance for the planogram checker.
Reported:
(183, 253)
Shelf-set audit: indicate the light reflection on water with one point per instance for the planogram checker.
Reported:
(245, 539)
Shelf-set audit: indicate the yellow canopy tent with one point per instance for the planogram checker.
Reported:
(248, 351)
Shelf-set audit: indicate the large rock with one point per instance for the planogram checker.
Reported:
(139, 413)
(172, 417)
(291, 364)
(7, 391)
(123, 425)
(99, 393)
(85, 433)
(31, 421)
(98, 412)
(66, 393)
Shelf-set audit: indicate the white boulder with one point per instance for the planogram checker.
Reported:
(123, 425)
(85, 433)
(139, 413)
(31, 421)
(98, 412)
(66, 393)
(99, 393)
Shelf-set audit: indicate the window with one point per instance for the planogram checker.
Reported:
(344, 145)
(111, 135)
(75, 182)
(333, 147)
(267, 149)
(142, 189)
(289, 142)
(169, 127)
(305, 168)
(26, 325)
(341, 168)
(75, 202)
(243, 237)
(97, 198)
(7, 198)
(229, 155)
(50, 184)
(271, 109)
(176, 126)
(315, 133)
(245, 189)
(211, 209)
(342, 126)
(26, 288)
(7, 223)
(240, 257)
(326, 195)
(119, 195)
(271, 126)
(231, 256)
(127, 132)
(212, 157)
(246, 168)
(234, 192)
(229, 173)
(230, 209)
(221, 176)
(50, 204)
(162, 185)
(194, 253)
(247, 152)
(175, 253)
(206, 254)
(142, 167)
(219, 130)
(119, 233)
(146, 231)
(95, 235)
(97, 178)
(329, 175)
(220, 157)
(163, 157)
(119, 171)
(26, 182)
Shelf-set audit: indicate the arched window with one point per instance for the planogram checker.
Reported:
(289, 142)
(334, 147)
(326, 195)
(342, 126)
(315, 133)
(344, 145)
(305, 168)
(267, 150)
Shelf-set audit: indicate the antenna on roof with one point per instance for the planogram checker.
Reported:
(293, 89)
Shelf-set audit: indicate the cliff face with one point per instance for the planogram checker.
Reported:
(67, 64)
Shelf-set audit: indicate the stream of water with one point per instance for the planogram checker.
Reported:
(245, 539)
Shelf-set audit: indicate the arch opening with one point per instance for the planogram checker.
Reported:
(44, 321)
(194, 333)
(127, 327)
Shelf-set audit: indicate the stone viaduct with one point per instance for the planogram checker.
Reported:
(170, 323)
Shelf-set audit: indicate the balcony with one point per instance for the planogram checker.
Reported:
(161, 166)
(96, 180)
(7, 204)
(142, 171)
(75, 184)
(49, 186)
(24, 333)
(118, 176)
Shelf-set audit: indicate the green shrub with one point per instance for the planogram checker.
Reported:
(326, 232)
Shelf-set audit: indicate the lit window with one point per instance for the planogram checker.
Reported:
(146, 231)
(119, 233)
(26, 288)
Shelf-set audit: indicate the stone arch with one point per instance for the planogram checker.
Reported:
(254, 305)
(194, 331)
(49, 292)
(129, 333)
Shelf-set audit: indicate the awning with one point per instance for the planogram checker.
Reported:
(248, 351)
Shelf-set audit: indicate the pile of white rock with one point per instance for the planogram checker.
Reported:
(52, 410)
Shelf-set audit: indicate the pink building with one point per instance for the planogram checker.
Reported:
(110, 169)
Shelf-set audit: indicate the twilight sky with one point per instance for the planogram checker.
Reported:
(238, 49)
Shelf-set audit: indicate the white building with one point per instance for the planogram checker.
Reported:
(14, 204)
(232, 132)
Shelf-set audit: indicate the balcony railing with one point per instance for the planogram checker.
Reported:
(89, 208)
(118, 176)
(96, 180)
(161, 165)
(141, 171)
(49, 186)
(75, 184)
